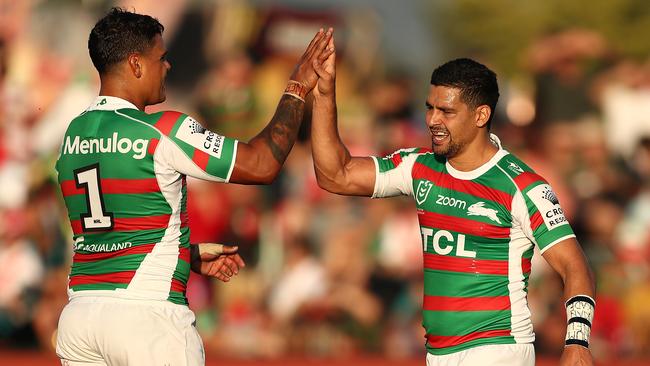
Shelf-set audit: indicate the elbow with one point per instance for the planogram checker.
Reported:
(267, 176)
(328, 184)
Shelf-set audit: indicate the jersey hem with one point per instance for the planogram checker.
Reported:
(374, 188)
(472, 344)
(232, 165)
(556, 242)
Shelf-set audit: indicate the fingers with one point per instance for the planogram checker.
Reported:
(329, 51)
(321, 41)
(239, 261)
(314, 41)
(230, 267)
(224, 267)
(221, 277)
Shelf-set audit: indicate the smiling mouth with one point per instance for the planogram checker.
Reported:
(438, 137)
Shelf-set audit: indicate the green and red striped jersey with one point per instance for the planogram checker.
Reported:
(123, 173)
(479, 229)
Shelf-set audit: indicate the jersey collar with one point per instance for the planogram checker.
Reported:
(106, 103)
(473, 174)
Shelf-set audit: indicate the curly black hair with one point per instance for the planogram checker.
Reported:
(477, 84)
(119, 34)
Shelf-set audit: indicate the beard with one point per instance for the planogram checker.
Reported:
(448, 150)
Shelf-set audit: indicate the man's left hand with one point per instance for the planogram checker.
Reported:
(574, 355)
(215, 260)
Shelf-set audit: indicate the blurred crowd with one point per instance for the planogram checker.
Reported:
(327, 276)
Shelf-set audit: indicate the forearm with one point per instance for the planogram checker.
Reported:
(578, 279)
(579, 294)
(330, 154)
(267, 151)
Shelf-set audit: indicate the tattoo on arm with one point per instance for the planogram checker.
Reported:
(282, 131)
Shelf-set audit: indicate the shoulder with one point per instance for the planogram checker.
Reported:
(523, 176)
(166, 122)
(402, 157)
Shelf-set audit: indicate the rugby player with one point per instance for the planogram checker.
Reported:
(481, 212)
(123, 172)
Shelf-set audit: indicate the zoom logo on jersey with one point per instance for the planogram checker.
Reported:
(191, 132)
(112, 144)
(451, 202)
(548, 205)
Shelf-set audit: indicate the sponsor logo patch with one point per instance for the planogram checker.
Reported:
(514, 167)
(424, 187)
(196, 135)
(548, 205)
(112, 145)
(451, 202)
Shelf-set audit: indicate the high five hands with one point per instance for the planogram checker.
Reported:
(317, 52)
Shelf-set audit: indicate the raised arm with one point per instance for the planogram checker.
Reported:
(260, 160)
(568, 260)
(336, 170)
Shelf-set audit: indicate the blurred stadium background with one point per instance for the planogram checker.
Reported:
(333, 280)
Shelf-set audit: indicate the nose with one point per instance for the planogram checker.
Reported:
(433, 117)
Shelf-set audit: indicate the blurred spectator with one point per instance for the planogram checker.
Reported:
(21, 271)
(563, 65)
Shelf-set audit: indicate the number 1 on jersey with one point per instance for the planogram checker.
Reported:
(97, 219)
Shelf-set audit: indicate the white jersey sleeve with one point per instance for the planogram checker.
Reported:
(393, 174)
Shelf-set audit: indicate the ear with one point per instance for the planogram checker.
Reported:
(135, 65)
(483, 113)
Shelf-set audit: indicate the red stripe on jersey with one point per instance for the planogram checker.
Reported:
(465, 265)
(153, 144)
(448, 303)
(114, 186)
(177, 286)
(525, 179)
(91, 257)
(129, 186)
(396, 159)
(526, 265)
(462, 225)
(465, 186)
(130, 223)
(437, 341)
(69, 188)
(76, 226)
(536, 220)
(185, 219)
(201, 158)
(115, 277)
(166, 122)
(184, 254)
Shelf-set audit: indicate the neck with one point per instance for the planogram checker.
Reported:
(474, 155)
(117, 87)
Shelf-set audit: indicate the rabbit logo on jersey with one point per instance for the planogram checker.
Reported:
(548, 205)
(196, 135)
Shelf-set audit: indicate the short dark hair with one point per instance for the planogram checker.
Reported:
(477, 84)
(118, 34)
